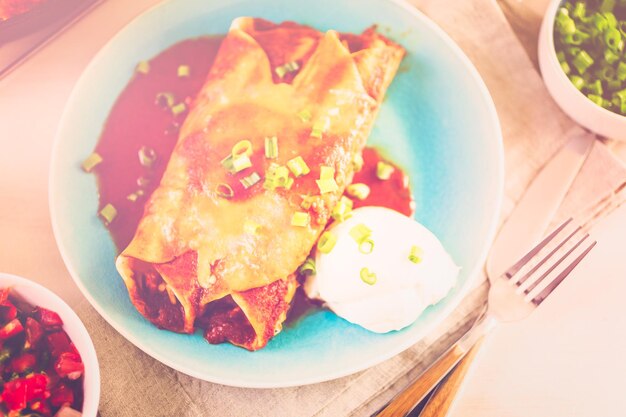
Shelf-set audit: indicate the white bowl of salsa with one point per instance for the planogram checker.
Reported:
(25, 294)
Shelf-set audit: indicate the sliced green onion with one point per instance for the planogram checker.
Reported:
(147, 156)
(132, 197)
(368, 277)
(416, 254)
(235, 165)
(165, 99)
(298, 167)
(277, 176)
(319, 127)
(305, 115)
(250, 180)
(308, 267)
(565, 67)
(610, 57)
(179, 108)
(576, 38)
(287, 68)
(143, 67)
(243, 147)
(224, 190)
(183, 71)
(143, 181)
(607, 5)
(384, 170)
(342, 210)
(360, 232)
(289, 183)
(366, 246)
(613, 39)
(307, 201)
(251, 227)
(327, 186)
(359, 191)
(357, 162)
(578, 82)
(565, 24)
(595, 87)
(582, 62)
(108, 214)
(621, 71)
(300, 219)
(91, 162)
(580, 10)
(596, 99)
(327, 242)
(271, 147)
(327, 173)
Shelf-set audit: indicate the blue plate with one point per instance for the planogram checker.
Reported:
(438, 121)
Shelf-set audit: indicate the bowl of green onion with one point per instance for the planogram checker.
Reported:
(582, 57)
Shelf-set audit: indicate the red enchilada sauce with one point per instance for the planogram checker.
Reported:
(136, 143)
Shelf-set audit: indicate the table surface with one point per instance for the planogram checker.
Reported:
(564, 361)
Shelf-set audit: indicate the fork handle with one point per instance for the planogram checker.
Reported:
(403, 403)
(441, 401)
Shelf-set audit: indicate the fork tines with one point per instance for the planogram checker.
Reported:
(544, 267)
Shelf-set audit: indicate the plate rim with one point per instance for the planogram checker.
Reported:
(451, 304)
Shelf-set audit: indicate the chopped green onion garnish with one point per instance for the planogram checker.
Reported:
(179, 108)
(271, 147)
(366, 246)
(165, 99)
(277, 176)
(308, 267)
(384, 170)
(183, 71)
(578, 82)
(132, 197)
(143, 181)
(224, 190)
(298, 167)
(596, 99)
(241, 162)
(582, 62)
(595, 87)
(621, 71)
(147, 156)
(368, 277)
(143, 67)
(108, 214)
(305, 115)
(318, 130)
(359, 191)
(327, 186)
(360, 232)
(251, 227)
(342, 210)
(287, 68)
(565, 24)
(565, 67)
(238, 164)
(415, 255)
(91, 162)
(327, 173)
(307, 201)
(250, 180)
(300, 219)
(327, 242)
(243, 147)
(357, 162)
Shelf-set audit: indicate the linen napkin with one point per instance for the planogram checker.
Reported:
(134, 384)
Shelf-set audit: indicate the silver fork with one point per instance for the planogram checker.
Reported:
(512, 296)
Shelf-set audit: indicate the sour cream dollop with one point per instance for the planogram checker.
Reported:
(402, 288)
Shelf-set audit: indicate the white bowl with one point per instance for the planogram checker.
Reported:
(572, 101)
(36, 295)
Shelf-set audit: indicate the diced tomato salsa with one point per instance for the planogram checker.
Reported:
(41, 371)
